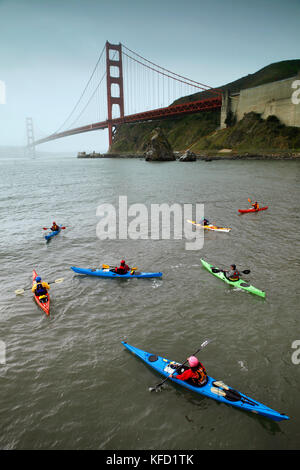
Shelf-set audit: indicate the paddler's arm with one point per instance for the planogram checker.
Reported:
(184, 376)
(46, 285)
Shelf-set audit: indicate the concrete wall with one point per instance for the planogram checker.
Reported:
(281, 99)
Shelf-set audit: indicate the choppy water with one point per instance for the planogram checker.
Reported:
(69, 384)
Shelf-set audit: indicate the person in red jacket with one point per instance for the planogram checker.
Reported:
(196, 375)
(54, 227)
(123, 268)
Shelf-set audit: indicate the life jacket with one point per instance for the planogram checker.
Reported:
(235, 276)
(40, 290)
(199, 377)
(122, 269)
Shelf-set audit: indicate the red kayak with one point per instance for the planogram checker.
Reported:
(245, 211)
(42, 301)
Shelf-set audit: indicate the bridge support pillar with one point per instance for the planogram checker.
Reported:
(30, 149)
(114, 78)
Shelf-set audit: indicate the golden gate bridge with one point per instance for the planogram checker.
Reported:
(125, 87)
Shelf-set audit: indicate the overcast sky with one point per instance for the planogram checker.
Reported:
(48, 49)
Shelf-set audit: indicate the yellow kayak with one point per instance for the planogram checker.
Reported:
(210, 227)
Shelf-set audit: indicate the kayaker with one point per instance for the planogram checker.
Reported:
(54, 227)
(204, 221)
(40, 289)
(123, 268)
(233, 274)
(255, 205)
(196, 375)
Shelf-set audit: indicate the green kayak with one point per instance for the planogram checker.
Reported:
(239, 284)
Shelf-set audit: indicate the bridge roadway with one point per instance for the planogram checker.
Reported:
(160, 113)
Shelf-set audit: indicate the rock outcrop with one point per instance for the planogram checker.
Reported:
(159, 149)
(188, 156)
(89, 155)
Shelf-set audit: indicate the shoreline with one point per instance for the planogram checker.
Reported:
(209, 156)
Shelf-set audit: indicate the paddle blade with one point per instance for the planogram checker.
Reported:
(218, 391)
(221, 385)
(19, 291)
(105, 266)
(249, 200)
(247, 271)
(205, 343)
(155, 389)
(59, 280)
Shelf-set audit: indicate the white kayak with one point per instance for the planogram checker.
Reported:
(210, 227)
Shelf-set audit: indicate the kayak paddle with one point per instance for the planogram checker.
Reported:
(216, 270)
(45, 228)
(21, 291)
(205, 343)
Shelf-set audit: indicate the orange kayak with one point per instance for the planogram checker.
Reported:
(42, 301)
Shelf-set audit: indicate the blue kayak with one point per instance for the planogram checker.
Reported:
(212, 389)
(52, 234)
(107, 273)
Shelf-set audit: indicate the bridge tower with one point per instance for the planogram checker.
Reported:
(30, 149)
(116, 78)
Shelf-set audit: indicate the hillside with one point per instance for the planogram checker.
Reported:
(191, 130)
(270, 73)
(252, 134)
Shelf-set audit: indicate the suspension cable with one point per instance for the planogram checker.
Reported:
(81, 96)
(207, 87)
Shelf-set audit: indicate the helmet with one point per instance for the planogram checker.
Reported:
(193, 361)
(38, 279)
(233, 266)
(54, 223)
(123, 261)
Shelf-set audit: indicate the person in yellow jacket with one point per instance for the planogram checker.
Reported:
(255, 206)
(40, 289)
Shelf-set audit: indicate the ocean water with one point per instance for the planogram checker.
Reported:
(66, 380)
